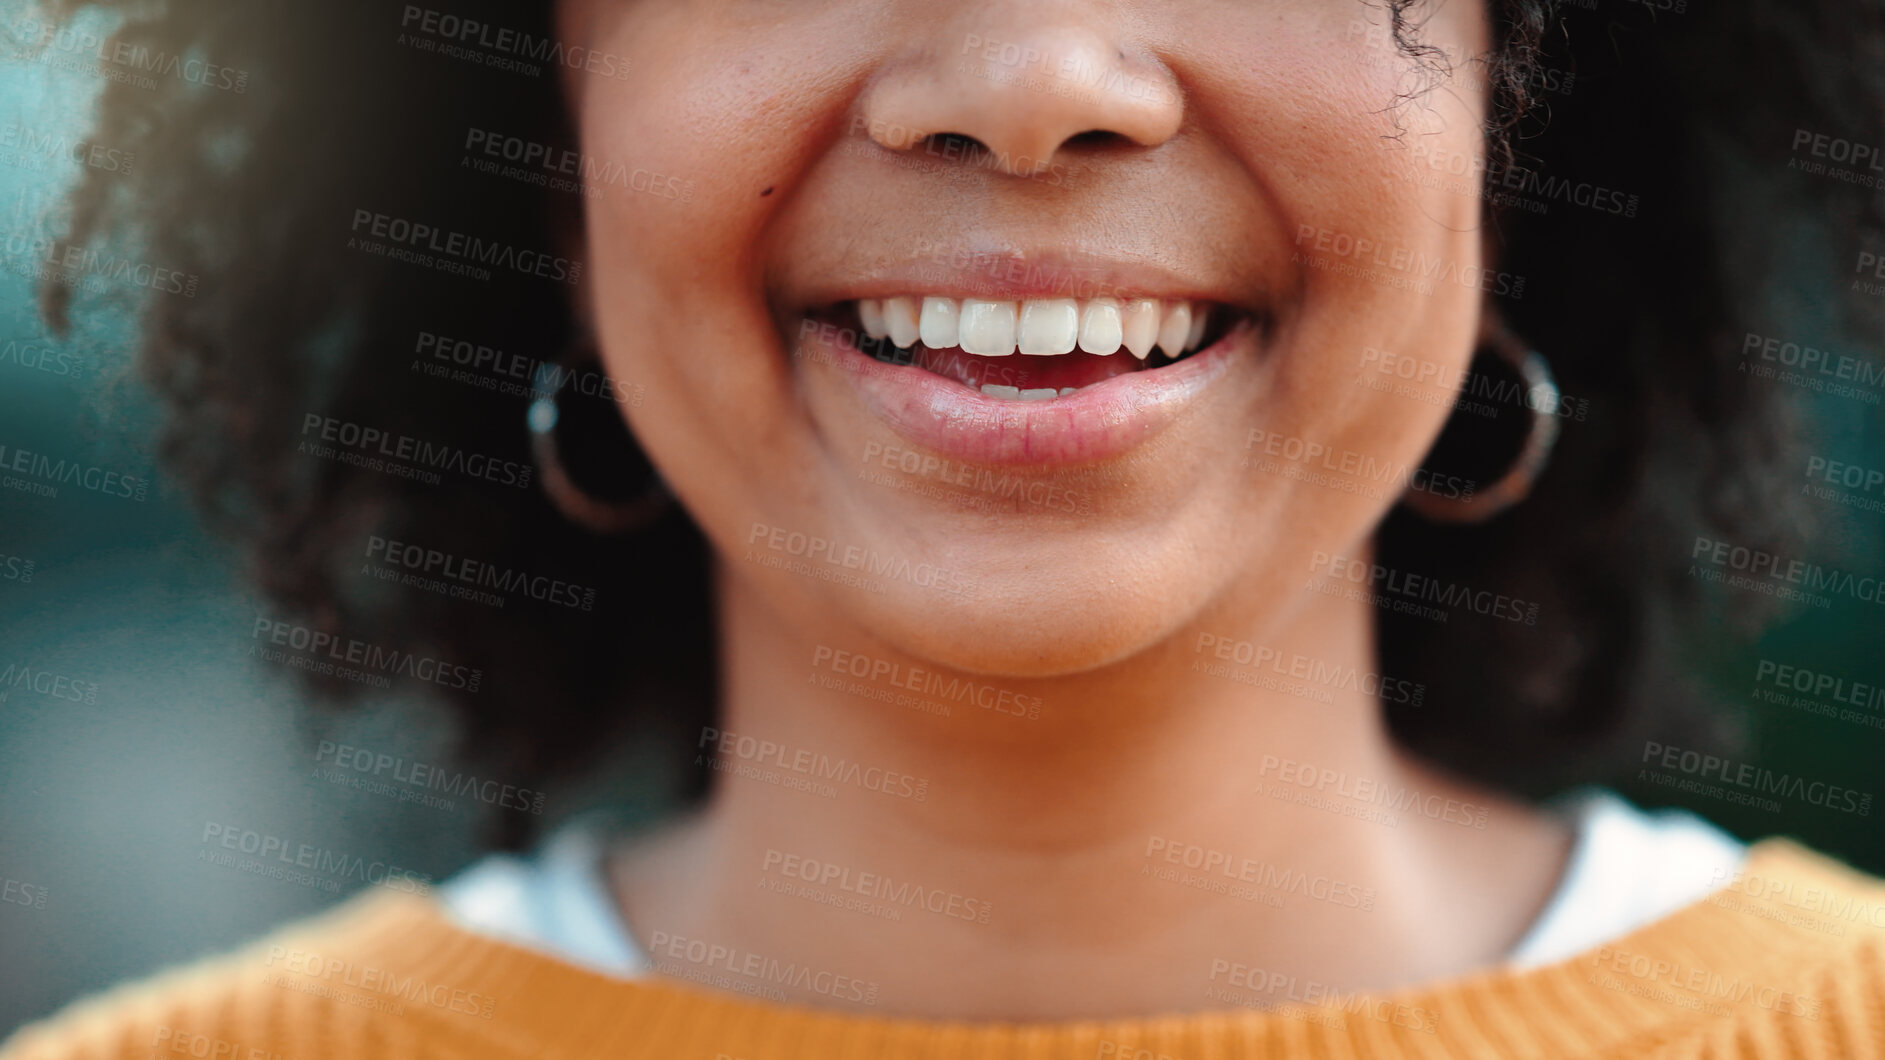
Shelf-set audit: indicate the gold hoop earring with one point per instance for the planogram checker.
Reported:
(555, 423)
(1542, 398)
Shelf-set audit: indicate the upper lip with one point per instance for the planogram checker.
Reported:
(1004, 272)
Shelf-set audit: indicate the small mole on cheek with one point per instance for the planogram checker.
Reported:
(765, 193)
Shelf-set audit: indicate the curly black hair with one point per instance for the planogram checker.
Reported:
(1685, 115)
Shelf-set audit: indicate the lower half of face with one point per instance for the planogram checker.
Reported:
(1017, 337)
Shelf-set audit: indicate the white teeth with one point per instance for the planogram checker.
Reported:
(1049, 326)
(900, 318)
(988, 328)
(1042, 327)
(1009, 393)
(870, 312)
(1171, 334)
(1139, 326)
(938, 324)
(1099, 327)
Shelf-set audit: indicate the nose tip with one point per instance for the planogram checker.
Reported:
(1023, 92)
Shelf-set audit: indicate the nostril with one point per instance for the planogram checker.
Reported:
(952, 145)
(1095, 138)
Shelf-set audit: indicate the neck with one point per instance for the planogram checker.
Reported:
(1227, 800)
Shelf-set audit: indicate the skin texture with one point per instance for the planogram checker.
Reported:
(1237, 145)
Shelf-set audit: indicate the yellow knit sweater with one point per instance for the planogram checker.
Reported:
(1783, 961)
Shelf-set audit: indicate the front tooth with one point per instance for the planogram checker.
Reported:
(1065, 390)
(996, 390)
(938, 324)
(1139, 326)
(988, 328)
(1198, 317)
(900, 318)
(870, 312)
(1049, 326)
(1099, 327)
(1039, 395)
(1171, 334)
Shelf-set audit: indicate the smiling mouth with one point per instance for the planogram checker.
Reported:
(1032, 349)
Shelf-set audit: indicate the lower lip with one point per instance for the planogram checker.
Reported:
(1094, 423)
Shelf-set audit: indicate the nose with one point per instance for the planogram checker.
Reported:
(1022, 79)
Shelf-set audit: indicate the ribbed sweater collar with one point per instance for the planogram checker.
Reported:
(1654, 984)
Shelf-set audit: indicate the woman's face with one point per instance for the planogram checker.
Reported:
(1256, 160)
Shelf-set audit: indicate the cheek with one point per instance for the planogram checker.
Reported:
(1390, 265)
(706, 120)
(1385, 264)
(672, 312)
(672, 281)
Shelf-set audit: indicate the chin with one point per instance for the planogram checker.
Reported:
(1033, 620)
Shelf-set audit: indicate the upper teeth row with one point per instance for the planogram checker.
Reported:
(1040, 326)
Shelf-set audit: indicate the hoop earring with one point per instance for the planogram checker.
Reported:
(548, 418)
(1542, 399)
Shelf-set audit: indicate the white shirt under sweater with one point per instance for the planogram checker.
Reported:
(1626, 869)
